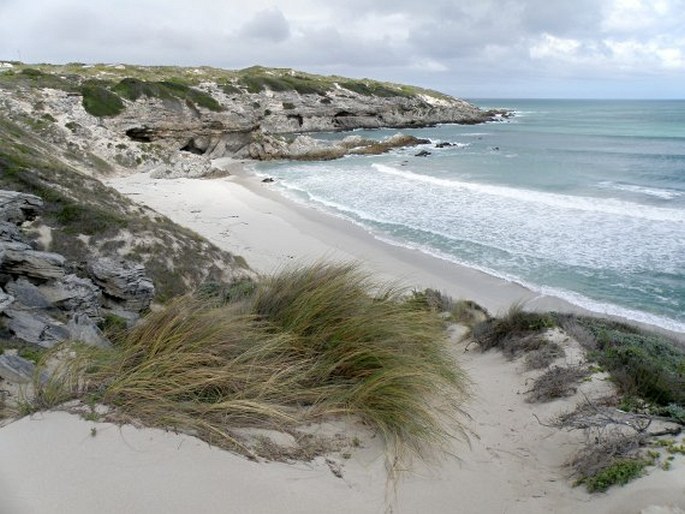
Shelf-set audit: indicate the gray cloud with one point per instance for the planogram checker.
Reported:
(502, 47)
(269, 25)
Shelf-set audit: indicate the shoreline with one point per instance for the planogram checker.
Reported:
(513, 462)
(242, 215)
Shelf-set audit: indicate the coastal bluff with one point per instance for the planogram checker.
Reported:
(173, 121)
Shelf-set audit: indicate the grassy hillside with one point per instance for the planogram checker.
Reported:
(104, 87)
(84, 219)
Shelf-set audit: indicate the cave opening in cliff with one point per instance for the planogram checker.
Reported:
(192, 147)
(140, 134)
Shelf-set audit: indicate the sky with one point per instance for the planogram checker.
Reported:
(468, 48)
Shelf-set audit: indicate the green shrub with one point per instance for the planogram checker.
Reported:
(258, 81)
(99, 101)
(84, 219)
(517, 323)
(620, 472)
(373, 88)
(36, 78)
(230, 89)
(646, 365)
(133, 89)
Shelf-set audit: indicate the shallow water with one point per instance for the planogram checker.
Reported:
(580, 199)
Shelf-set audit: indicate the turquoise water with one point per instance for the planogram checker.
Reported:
(581, 199)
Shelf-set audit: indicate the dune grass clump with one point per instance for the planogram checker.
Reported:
(301, 346)
(516, 324)
(465, 312)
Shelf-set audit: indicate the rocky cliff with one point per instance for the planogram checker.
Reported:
(174, 120)
(76, 255)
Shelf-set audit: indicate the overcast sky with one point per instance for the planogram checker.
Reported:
(469, 48)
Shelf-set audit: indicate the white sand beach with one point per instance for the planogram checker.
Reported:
(56, 462)
(248, 218)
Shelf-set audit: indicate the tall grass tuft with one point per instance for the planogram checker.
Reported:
(307, 344)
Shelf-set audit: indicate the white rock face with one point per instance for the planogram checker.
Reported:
(174, 138)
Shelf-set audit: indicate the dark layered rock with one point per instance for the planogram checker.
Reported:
(123, 283)
(9, 232)
(75, 294)
(16, 369)
(19, 259)
(43, 305)
(5, 300)
(18, 207)
(27, 294)
(82, 328)
(35, 326)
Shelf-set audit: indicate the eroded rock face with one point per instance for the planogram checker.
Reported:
(19, 259)
(123, 281)
(73, 293)
(151, 134)
(18, 207)
(5, 300)
(37, 327)
(82, 328)
(16, 369)
(43, 305)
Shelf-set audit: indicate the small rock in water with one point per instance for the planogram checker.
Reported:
(422, 153)
(268, 180)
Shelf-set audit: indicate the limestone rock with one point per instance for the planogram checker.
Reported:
(123, 281)
(83, 329)
(20, 259)
(75, 294)
(27, 294)
(9, 232)
(14, 368)
(36, 327)
(5, 300)
(18, 207)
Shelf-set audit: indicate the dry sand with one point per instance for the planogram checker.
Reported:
(248, 218)
(55, 463)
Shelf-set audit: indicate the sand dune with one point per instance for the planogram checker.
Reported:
(55, 462)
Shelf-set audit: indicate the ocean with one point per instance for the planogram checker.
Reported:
(584, 200)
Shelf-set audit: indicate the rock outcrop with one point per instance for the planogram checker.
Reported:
(42, 304)
(175, 130)
(123, 283)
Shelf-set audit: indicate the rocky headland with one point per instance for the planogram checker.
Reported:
(173, 121)
(266, 365)
(78, 259)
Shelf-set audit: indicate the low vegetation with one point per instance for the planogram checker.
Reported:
(504, 332)
(99, 101)
(80, 208)
(647, 370)
(464, 312)
(557, 382)
(303, 345)
(132, 89)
